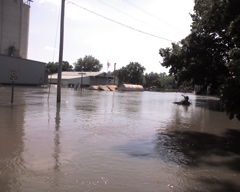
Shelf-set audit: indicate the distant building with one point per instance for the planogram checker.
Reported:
(84, 79)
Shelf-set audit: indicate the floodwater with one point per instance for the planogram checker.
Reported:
(115, 142)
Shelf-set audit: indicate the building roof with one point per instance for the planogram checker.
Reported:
(79, 74)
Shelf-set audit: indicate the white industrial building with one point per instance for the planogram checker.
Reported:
(82, 79)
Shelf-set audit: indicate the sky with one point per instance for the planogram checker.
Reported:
(114, 31)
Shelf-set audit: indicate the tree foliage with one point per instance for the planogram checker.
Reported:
(52, 67)
(66, 66)
(88, 63)
(152, 79)
(168, 82)
(210, 54)
(161, 80)
(133, 73)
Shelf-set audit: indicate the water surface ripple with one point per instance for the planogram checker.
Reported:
(115, 141)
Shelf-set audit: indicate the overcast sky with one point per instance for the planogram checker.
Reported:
(118, 31)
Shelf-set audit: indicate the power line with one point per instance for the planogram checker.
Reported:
(127, 14)
(148, 13)
(146, 33)
(56, 34)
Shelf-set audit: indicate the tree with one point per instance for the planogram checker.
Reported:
(66, 66)
(161, 80)
(168, 82)
(152, 79)
(88, 63)
(209, 55)
(133, 73)
(122, 75)
(52, 67)
(162, 75)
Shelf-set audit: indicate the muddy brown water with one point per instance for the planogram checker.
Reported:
(115, 141)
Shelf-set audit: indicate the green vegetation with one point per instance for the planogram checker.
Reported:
(52, 67)
(153, 79)
(160, 81)
(210, 54)
(133, 73)
(88, 63)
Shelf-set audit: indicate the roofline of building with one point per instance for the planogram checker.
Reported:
(21, 58)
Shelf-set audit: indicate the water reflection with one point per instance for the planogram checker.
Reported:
(132, 103)
(57, 147)
(191, 148)
(112, 141)
(56, 178)
(89, 103)
(210, 103)
(209, 152)
(12, 164)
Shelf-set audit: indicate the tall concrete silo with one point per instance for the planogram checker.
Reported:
(14, 27)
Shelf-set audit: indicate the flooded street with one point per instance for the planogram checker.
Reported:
(115, 141)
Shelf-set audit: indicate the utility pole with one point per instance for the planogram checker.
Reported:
(114, 73)
(60, 54)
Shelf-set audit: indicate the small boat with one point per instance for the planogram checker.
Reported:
(182, 103)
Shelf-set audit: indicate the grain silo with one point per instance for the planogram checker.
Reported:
(14, 27)
(14, 31)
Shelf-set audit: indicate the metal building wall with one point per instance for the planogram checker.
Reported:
(28, 72)
(14, 27)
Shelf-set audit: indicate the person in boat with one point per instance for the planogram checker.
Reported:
(186, 99)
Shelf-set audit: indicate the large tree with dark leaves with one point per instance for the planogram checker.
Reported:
(210, 54)
(133, 73)
(52, 67)
(152, 79)
(88, 63)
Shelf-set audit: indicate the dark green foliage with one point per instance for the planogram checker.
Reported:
(168, 82)
(209, 55)
(231, 98)
(52, 67)
(161, 80)
(88, 63)
(132, 73)
(66, 66)
(152, 79)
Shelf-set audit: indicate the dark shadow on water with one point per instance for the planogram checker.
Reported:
(220, 185)
(195, 150)
(211, 104)
(191, 148)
